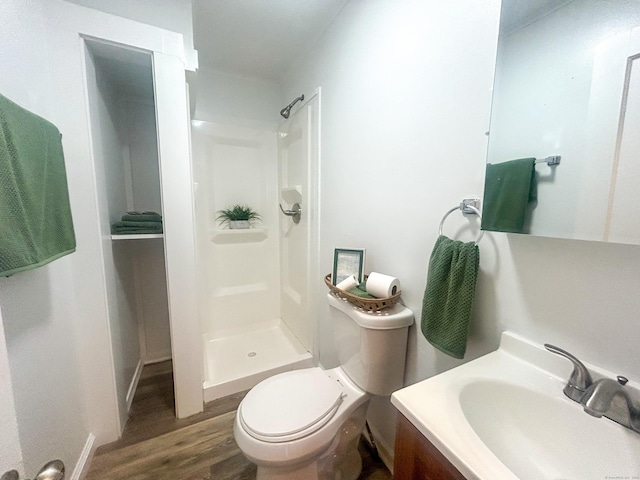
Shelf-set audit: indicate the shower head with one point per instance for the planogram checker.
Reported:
(287, 110)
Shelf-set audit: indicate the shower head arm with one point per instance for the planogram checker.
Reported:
(287, 110)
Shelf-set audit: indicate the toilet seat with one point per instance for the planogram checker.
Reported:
(290, 405)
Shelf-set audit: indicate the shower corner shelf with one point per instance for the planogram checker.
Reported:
(292, 194)
(141, 236)
(248, 235)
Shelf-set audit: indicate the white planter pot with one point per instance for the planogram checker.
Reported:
(239, 224)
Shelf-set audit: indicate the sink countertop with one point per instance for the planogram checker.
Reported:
(436, 407)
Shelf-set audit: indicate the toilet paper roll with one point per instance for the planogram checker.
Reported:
(381, 285)
(347, 283)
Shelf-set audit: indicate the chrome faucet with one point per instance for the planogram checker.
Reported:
(580, 378)
(610, 398)
(604, 397)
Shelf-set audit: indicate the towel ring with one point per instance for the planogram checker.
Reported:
(463, 207)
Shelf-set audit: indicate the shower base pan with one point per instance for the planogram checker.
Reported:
(242, 358)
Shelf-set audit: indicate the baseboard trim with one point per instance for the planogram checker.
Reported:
(84, 462)
(163, 358)
(134, 384)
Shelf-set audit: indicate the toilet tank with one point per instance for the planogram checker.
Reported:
(371, 347)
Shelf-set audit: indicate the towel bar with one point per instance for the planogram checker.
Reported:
(551, 161)
(468, 205)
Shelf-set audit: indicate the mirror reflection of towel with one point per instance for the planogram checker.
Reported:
(509, 188)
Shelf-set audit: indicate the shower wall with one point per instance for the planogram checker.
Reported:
(239, 277)
(298, 175)
(254, 283)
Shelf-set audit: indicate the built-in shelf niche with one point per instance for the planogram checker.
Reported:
(246, 235)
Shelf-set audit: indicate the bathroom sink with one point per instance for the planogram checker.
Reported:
(504, 417)
(542, 436)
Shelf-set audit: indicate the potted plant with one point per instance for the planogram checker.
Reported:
(238, 216)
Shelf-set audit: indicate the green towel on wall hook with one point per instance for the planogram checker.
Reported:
(35, 215)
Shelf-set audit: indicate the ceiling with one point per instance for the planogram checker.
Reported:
(517, 14)
(265, 38)
(259, 38)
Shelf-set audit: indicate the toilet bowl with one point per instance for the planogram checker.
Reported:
(287, 441)
(306, 424)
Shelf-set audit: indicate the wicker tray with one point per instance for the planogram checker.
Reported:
(368, 304)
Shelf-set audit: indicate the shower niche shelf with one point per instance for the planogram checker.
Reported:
(141, 236)
(292, 194)
(248, 235)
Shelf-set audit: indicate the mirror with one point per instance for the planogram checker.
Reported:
(568, 83)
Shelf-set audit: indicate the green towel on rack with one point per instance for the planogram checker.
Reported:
(448, 297)
(509, 188)
(35, 215)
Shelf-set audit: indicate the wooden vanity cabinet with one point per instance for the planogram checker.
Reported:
(417, 459)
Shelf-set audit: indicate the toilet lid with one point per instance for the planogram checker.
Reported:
(290, 405)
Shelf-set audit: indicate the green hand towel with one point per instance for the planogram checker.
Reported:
(141, 217)
(509, 189)
(448, 297)
(35, 216)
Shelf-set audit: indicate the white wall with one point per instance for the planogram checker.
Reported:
(42, 317)
(54, 317)
(236, 100)
(10, 450)
(406, 91)
(406, 101)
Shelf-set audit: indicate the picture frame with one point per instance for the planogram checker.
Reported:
(347, 262)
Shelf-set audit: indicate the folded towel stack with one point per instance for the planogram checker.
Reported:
(138, 223)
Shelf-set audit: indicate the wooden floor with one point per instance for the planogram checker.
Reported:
(155, 445)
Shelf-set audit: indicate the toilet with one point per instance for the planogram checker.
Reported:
(306, 424)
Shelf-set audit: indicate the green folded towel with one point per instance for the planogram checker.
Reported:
(510, 187)
(137, 224)
(35, 215)
(359, 292)
(135, 231)
(141, 217)
(124, 227)
(448, 297)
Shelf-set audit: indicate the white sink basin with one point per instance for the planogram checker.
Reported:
(541, 436)
(504, 417)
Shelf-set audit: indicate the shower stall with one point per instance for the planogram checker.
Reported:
(255, 284)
